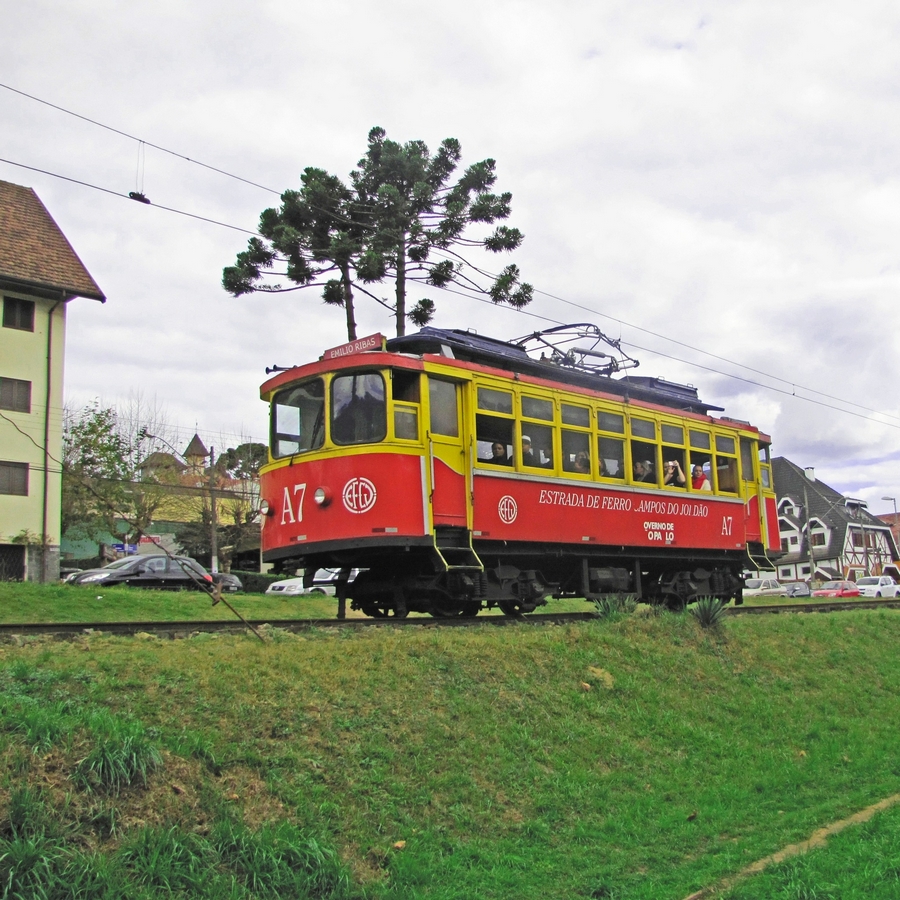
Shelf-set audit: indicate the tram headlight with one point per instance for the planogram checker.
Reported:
(322, 496)
(265, 508)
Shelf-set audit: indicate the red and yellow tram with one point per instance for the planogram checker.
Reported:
(458, 472)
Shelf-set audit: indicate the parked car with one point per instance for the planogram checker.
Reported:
(176, 573)
(231, 584)
(878, 586)
(323, 584)
(796, 589)
(837, 589)
(762, 587)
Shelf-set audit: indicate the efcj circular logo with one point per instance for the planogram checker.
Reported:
(359, 495)
(507, 509)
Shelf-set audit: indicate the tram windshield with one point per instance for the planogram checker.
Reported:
(358, 409)
(298, 418)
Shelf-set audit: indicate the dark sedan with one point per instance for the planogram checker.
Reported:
(167, 573)
(796, 589)
(231, 584)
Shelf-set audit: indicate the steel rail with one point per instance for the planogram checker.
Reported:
(188, 628)
(173, 630)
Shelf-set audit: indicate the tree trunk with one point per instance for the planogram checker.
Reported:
(401, 287)
(348, 303)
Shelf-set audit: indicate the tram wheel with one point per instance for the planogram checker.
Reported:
(674, 603)
(383, 611)
(517, 607)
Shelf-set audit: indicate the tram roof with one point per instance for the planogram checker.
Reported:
(475, 348)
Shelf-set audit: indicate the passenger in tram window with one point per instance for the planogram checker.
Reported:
(643, 470)
(499, 456)
(582, 463)
(674, 474)
(699, 481)
(528, 457)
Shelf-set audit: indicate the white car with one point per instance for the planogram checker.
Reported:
(878, 586)
(763, 587)
(323, 584)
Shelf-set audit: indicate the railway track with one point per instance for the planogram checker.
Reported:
(175, 630)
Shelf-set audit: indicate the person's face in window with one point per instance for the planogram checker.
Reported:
(498, 450)
(639, 470)
(697, 471)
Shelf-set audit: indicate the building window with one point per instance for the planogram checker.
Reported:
(18, 314)
(15, 395)
(14, 478)
(784, 544)
(804, 570)
(818, 539)
(793, 539)
(786, 573)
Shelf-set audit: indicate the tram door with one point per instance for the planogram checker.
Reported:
(754, 509)
(447, 454)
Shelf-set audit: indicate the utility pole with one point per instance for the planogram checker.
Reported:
(213, 543)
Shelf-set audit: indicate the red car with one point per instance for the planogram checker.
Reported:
(837, 589)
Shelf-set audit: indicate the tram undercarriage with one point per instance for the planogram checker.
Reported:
(518, 580)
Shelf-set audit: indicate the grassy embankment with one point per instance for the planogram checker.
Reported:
(634, 757)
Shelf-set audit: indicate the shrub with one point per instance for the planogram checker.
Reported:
(256, 582)
(708, 611)
(612, 604)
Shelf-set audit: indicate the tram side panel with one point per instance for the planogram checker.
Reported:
(365, 497)
(507, 509)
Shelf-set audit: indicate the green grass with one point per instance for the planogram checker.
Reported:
(23, 604)
(636, 756)
(62, 603)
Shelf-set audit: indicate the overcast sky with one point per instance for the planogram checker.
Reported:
(723, 175)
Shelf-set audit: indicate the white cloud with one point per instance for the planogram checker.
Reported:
(724, 175)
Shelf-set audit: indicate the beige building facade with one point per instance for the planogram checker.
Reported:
(39, 275)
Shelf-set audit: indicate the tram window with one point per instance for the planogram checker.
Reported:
(298, 418)
(672, 434)
(673, 467)
(576, 452)
(702, 482)
(700, 439)
(612, 457)
(747, 459)
(643, 462)
(576, 415)
(764, 453)
(494, 401)
(444, 409)
(405, 386)
(726, 474)
(406, 424)
(536, 408)
(540, 438)
(724, 444)
(643, 428)
(764, 477)
(490, 431)
(610, 422)
(358, 413)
